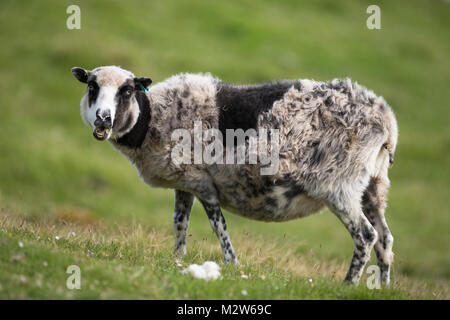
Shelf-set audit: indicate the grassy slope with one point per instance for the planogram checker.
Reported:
(51, 166)
(135, 262)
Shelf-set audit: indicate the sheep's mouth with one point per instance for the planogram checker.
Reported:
(101, 133)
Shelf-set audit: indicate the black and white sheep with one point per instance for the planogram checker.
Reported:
(336, 142)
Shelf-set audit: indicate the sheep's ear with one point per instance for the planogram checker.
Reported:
(142, 82)
(81, 74)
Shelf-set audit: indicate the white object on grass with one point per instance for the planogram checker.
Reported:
(207, 271)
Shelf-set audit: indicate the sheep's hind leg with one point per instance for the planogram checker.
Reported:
(374, 205)
(364, 237)
(219, 226)
(181, 213)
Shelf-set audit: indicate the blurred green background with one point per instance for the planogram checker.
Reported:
(50, 163)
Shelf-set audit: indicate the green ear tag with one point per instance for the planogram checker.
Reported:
(142, 87)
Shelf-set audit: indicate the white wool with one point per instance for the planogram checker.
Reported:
(207, 271)
(211, 267)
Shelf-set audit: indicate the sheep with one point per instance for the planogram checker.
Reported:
(336, 141)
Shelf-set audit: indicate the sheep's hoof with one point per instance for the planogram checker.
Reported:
(179, 252)
(229, 262)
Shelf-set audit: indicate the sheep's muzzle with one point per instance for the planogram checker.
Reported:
(101, 133)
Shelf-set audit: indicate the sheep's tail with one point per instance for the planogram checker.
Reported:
(385, 158)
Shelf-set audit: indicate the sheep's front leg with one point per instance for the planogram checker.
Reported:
(183, 206)
(219, 226)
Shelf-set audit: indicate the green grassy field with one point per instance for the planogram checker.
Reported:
(56, 179)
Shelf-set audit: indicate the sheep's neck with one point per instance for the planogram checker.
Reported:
(136, 136)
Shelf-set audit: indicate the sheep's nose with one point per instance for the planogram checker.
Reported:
(103, 119)
(105, 115)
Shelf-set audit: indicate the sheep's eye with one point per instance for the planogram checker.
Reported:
(127, 92)
(91, 87)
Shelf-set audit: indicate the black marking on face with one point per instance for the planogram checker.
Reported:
(93, 90)
(240, 106)
(136, 136)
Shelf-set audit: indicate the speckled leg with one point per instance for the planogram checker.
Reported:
(183, 206)
(364, 237)
(374, 204)
(219, 226)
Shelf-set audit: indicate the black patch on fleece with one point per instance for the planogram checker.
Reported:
(317, 157)
(136, 136)
(240, 105)
(294, 191)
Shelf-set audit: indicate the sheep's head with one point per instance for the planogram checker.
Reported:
(109, 105)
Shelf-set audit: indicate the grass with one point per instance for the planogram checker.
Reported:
(136, 262)
(55, 179)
